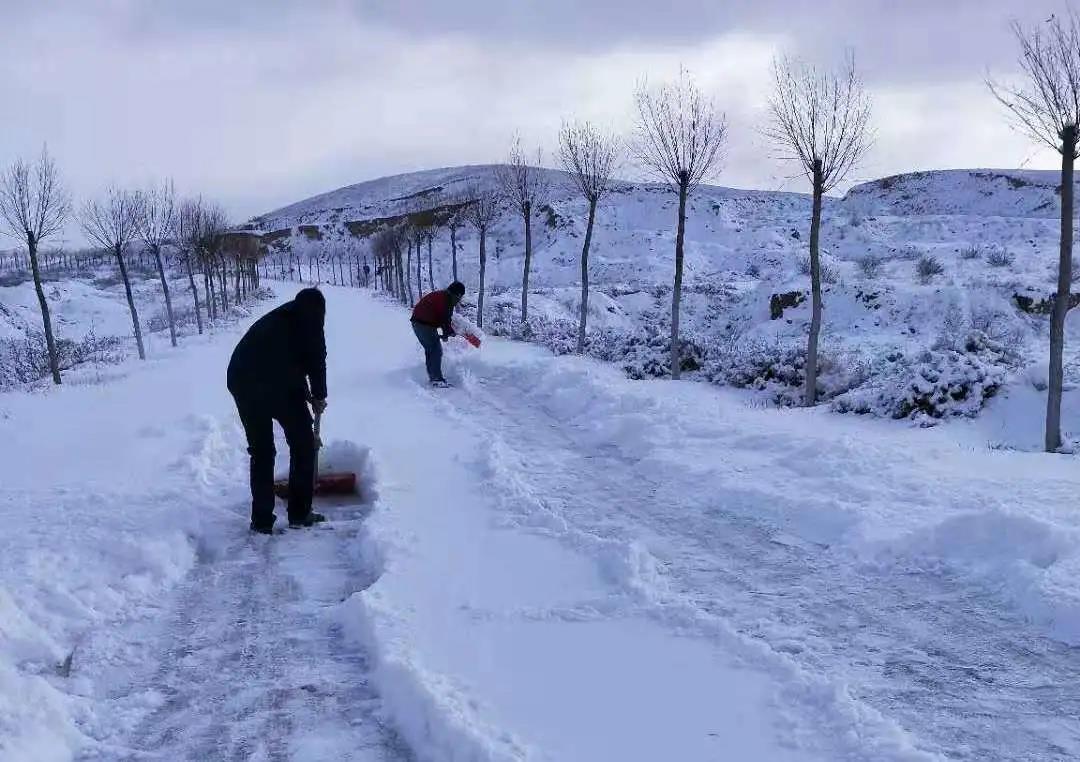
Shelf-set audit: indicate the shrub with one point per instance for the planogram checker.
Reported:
(871, 265)
(753, 270)
(927, 267)
(1000, 257)
(781, 370)
(971, 252)
(828, 274)
(26, 360)
(935, 384)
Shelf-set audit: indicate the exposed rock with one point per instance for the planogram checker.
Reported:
(1033, 305)
(780, 302)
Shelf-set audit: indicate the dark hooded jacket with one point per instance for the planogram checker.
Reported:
(282, 353)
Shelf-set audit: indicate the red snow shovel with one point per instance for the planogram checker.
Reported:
(326, 484)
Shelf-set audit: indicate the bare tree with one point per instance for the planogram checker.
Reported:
(429, 232)
(407, 239)
(34, 206)
(481, 213)
(387, 247)
(188, 226)
(418, 237)
(157, 227)
(454, 222)
(1047, 108)
(821, 120)
(678, 139)
(213, 222)
(113, 223)
(525, 188)
(590, 156)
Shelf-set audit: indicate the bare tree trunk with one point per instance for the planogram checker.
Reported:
(194, 294)
(236, 283)
(408, 272)
(453, 251)
(403, 294)
(208, 291)
(419, 271)
(676, 294)
(528, 265)
(223, 284)
(1061, 302)
(583, 315)
(483, 267)
(131, 301)
(168, 296)
(810, 391)
(46, 317)
(430, 265)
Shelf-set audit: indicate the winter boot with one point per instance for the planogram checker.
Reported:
(310, 520)
(262, 528)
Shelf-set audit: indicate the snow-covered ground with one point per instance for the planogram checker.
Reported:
(549, 561)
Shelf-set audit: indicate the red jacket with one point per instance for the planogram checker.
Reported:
(435, 310)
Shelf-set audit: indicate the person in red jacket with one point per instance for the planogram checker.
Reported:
(430, 314)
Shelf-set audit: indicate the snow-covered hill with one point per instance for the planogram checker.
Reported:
(897, 343)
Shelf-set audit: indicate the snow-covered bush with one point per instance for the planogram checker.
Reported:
(971, 252)
(871, 265)
(828, 273)
(1000, 257)
(183, 315)
(780, 369)
(26, 360)
(934, 384)
(927, 267)
(645, 353)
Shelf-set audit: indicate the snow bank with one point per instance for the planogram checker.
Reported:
(1033, 562)
(109, 494)
(438, 720)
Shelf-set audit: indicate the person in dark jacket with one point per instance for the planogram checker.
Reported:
(278, 367)
(432, 313)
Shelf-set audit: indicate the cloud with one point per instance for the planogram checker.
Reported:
(260, 104)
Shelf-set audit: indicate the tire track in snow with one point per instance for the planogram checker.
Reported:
(929, 649)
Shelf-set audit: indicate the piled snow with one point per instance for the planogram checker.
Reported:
(100, 501)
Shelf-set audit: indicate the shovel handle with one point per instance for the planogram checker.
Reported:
(316, 427)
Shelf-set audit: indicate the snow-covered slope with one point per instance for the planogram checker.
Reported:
(978, 192)
(896, 342)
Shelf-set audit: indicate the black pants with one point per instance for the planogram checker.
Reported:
(432, 344)
(258, 418)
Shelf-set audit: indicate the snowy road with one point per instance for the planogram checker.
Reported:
(935, 649)
(550, 562)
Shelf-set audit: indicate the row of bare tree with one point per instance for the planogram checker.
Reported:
(34, 207)
(820, 120)
(820, 117)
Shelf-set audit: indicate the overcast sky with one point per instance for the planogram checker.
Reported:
(259, 103)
